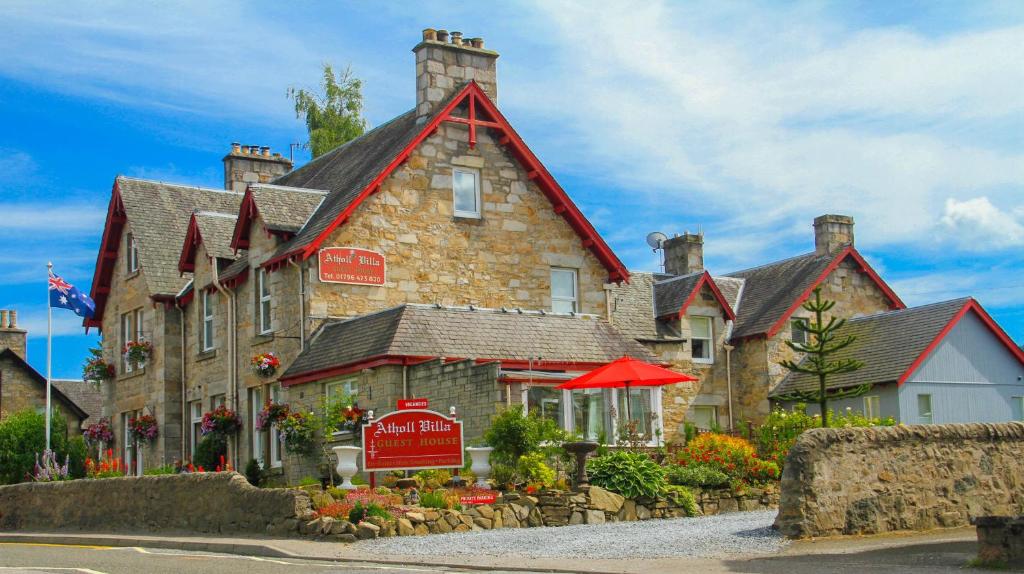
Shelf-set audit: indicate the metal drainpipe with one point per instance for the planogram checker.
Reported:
(184, 415)
(232, 328)
(728, 379)
(302, 305)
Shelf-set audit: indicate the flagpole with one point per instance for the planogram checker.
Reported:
(49, 349)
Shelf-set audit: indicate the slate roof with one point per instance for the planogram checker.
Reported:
(236, 267)
(670, 294)
(346, 170)
(286, 208)
(216, 230)
(159, 214)
(732, 289)
(887, 343)
(770, 290)
(85, 395)
(429, 331)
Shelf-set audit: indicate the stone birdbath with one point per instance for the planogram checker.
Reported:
(581, 449)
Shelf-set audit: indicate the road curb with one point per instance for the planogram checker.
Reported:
(256, 548)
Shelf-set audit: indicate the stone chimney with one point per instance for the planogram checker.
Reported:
(445, 63)
(247, 164)
(11, 337)
(684, 254)
(832, 233)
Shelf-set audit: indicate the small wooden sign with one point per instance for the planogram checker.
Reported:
(408, 404)
(351, 265)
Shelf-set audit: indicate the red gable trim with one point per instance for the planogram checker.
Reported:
(475, 97)
(247, 213)
(895, 301)
(706, 279)
(106, 260)
(193, 238)
(989, 322)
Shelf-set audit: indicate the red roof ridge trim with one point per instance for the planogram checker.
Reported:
(539, 174)
(106, 259)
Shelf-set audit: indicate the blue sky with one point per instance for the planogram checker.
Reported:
(744, 120)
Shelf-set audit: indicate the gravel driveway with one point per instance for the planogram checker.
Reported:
(738, 533)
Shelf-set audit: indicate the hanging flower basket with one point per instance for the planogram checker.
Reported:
(265, 364)
(271, 414)
(96, 370)
(298, 433)
(221, 420)
(352, 418)
(143, 428)
(138, 352)
(100, 432)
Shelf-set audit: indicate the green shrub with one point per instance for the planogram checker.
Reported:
(682, 496)
(23, 436)
(630, 474)
(733, 456)
(78, 452)
(209, 451)
(159, 470)
(433, 478)
(503, 474)
(513, 434)
(433, 500)
(532, 470)
(254, 472)
(780, 430)
(360, 512)
(308, 481)
(697, 476)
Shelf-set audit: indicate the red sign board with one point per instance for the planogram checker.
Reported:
(412, 440)
(351, 265)
(407, 404)
(479, 499)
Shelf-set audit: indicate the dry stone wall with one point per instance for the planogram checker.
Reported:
(874, 480)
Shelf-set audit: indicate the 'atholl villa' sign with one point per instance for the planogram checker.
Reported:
(351, 265)
(412, 440)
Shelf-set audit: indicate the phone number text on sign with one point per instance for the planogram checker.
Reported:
(351, 265)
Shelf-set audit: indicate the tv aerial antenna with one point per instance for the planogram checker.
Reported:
(656, 240)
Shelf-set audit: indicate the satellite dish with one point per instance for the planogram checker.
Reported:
(655, 239)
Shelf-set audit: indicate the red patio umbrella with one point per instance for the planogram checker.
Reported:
(623, 373)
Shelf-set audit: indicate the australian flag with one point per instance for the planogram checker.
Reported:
(64, 295)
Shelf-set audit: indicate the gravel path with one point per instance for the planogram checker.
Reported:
(738, 533)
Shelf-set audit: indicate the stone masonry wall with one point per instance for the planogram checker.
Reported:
(472, 389)
(19, 391)
(883, 479)
(217, 503)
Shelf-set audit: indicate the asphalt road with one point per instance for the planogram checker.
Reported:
(19, 558)
(936, 558)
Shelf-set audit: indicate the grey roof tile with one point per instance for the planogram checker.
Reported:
(670, 294)
(86, 395)
(286, 208)
(428, 331)
(887, 343)
(770, 290)
(216, 230)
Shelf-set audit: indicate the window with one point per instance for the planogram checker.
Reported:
(704, 417)
(340, 390)
(700, 339)
(127, 334)
(264, 302)
(217, 401)
(872, 407)
(255, 406)
(546, 401)
(131, 451)
(466, 192)
(640, 410)
(563, 290)
(275, 434)
(924, 409)
(798, 331)
(208, 310)
(590, 412)
(132, 253)
(195, 435)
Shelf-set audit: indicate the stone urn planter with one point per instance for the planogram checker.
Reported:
(348, 464)
(481, 466)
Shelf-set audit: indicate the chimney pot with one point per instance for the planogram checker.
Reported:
(266, 151)
(3, 318)
(478, 43)
(429, 35)
(236, 147)
(457, 38)
(254, 150)
(14, 318)
(442, 36)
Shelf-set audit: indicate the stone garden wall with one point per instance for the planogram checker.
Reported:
(208, 502)
(882, 479)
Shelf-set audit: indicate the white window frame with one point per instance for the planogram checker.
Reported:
(209, 336)
(132, 252)
(218, 400)
(872, 406)
(574, 300)
(127, 332)
(929, 417)
(350, 386)
(476, 185)
(710, 340)
(265, 303)
(702, 408)
(255, 406)
(132, 450)
(275, 433)
(798, 325)
(195, 409)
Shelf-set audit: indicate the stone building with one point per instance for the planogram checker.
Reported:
(22, 387)
(434, 256)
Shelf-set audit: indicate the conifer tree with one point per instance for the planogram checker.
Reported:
(818, 348)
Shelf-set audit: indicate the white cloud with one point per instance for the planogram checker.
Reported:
(979, 225)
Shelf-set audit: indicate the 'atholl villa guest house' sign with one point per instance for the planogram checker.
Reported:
(412, 440)
(351, 265)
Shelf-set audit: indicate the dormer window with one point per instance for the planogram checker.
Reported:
(466, 192)
(131, 253)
